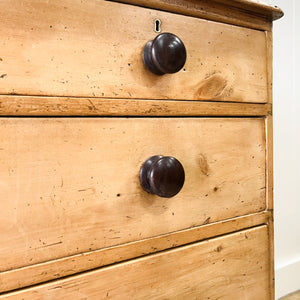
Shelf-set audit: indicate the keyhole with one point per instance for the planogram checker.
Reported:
(157, 25)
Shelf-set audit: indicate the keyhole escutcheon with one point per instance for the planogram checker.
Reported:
(157, 25)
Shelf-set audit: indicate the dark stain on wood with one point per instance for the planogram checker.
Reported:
(219, 249)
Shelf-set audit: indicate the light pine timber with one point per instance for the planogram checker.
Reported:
(74, 106)
(71, 185)
(271, 11)
(235, 266)
(238, 12)
(94, 48)
(269, 162)
(55, 269)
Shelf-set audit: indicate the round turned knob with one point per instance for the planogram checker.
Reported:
(162, 175)
(165, 54)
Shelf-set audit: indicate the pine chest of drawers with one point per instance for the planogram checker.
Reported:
(136, 149)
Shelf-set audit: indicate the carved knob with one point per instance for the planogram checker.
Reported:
(162, 175)
(165, 54)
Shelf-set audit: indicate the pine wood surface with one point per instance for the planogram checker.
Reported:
(271, 11)
(71, 185)
(269, 162)
(54, 269)
(75, 106)
(94, 49)
(234, 266)
(239, 12)
(83, 58)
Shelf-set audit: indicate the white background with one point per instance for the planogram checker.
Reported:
(286, 99)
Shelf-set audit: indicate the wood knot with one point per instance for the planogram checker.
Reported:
(214, 87)
(203, 164)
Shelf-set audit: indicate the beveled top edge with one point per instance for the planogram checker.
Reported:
(253, 14)
(257, 7)
(273, 12)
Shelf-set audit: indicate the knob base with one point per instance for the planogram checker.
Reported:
(145, 170)
(147, 58)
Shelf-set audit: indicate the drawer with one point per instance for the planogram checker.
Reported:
(235, 266)
(71, 185)
(94, 48)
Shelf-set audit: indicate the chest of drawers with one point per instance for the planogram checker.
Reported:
(84, 215)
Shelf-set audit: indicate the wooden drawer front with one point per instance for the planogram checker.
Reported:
(71, 185)
(235, 266)
(94, 48)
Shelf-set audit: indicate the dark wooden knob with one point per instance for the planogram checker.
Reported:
(165, 54)
(162, 175)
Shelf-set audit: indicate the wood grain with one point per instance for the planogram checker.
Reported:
(235, 266)
(269, 163)
(238, 12)
(66, 266)
(94, 48)
(64, 106)
(71, 185)
(271, 11)
(69, 190)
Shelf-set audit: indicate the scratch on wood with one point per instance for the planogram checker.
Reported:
(53, 244)
(84, 190)
(56, 287)
(92, 104)
(206, 221)
(49, 245)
